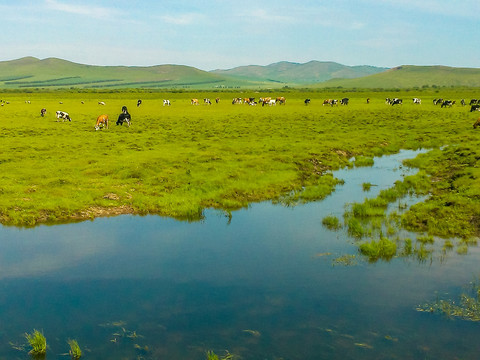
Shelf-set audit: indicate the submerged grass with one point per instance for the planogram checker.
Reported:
(38, 343)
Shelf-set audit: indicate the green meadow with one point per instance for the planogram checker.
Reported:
(176, 161)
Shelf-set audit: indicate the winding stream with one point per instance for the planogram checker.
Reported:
(263, 286)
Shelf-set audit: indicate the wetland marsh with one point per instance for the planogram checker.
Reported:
(282, 257)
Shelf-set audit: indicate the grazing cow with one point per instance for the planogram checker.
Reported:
(207, 101)
(462, 102)
(217, 100)
(102, 122)
(307, 101)
(43, 112)
(477, 123)
(194, 101)
(396, 101)
(281, 100)
(236, 101)
(166, 103)
(417, 101)
(101, 103)
(473, 102)
(124, 117)
(139, 102)
(264, 100)
(437, 101)
(475, 108)
(448, 103)
(63, 115)
(344, 101)
(330, 102)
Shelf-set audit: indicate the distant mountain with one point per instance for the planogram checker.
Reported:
(30, 72)
(295, 73)
(409, 76)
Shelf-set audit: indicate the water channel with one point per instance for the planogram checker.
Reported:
(262, 285)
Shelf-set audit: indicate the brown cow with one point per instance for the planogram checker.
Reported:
(194, 101)
(281, 100)
(102, 121)
(477, 123)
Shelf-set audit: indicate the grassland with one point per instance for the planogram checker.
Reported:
(178, 160)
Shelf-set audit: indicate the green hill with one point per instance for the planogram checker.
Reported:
(290, 73)
(30, 72)
(412, 76)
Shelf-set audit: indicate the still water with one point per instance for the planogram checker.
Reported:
(262, 286)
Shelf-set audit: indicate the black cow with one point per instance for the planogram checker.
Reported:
(124, 117)
(473, 102)
(307, 101)
(344, 101)
(43, 112)
(139, 102)
(475, 107)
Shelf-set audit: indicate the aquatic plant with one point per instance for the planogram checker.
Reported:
(38, 342)
(212, 356)
(331, 222)
(75, 351)
(366, 186)
(382, 249)
(467, 307)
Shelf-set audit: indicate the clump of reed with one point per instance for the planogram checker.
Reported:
(382, 249)
(331, 222)
(75, 352)
(38, 342)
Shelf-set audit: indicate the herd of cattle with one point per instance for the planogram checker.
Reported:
(125, 117)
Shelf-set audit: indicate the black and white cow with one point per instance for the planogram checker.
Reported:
(63, 115)
(124, 117)
(417, 101)
(473, 102)
(139, 102)
(166, 103)
(475, 107)
(448, 103)
(207, 101)
(307, 101)
(396, 101)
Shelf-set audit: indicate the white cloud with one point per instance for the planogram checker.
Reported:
(86, 10)
(182, 19)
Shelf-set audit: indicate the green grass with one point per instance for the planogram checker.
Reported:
(75, 352)
(178, 160)
(331, 222)
(37, 342)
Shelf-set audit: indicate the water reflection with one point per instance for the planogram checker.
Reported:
(253, 286)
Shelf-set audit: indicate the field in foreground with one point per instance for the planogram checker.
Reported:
(176, 161)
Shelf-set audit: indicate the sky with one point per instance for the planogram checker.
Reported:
(220, 34)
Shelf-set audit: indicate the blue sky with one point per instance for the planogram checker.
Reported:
(216, 34)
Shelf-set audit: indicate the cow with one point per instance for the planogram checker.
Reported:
(102, 122)
(448, 103)
(63, 115)
(344, 101)
(166, 103)
(475, 108)
(194, 101)
(477, 123)
(43, 112)
(462, 102)
(437, 101)
(265, 100)
(306, 101)
(417, 101)
(236, 101)
(281, 100)
(473, 102)
(330, 102)
(139, 102)
(124, 117)
(101, 103)
(368, 100)
(396, 101)
(217, 100)
(207, 101)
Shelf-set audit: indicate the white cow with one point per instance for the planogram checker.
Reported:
(166, 102)
(417, 101)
